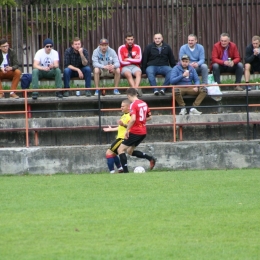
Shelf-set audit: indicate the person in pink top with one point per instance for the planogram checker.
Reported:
(135, 131)
(130, 57)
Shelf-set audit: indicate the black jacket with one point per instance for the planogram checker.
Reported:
(153, 57)
(12, 59)
(251, 58)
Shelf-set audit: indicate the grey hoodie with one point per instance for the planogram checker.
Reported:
(100, 60)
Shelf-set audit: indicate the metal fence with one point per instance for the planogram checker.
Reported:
(27, 26)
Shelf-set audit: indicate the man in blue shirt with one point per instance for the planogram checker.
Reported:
(185, 74)
(197, 56)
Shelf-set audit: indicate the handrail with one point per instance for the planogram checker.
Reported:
(26, 110)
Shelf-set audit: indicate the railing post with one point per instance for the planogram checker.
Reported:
(26, 118)
(173, 114)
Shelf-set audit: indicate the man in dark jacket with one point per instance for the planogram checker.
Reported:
(252, 58)
(9, 68)
(158, 59)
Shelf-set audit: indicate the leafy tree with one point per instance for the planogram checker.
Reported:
(7, 3)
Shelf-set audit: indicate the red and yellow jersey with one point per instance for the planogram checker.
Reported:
(141, 110)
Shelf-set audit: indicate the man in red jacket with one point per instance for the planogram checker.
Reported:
(225, 58)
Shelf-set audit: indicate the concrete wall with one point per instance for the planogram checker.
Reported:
(171, 156)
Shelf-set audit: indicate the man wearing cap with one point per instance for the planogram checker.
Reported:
(46, 65)
(130, 57)
(76, 65)
(9, 68)
(105, 63)
(197, 56)
(185, 74)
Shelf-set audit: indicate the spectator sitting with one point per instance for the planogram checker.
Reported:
(76, 65)
(9, 68)
(46, 65)
(105, 63)
(184, 74)
(197, 56)
(252, 58)
(130, 56)
(221, 53)
(158, 59)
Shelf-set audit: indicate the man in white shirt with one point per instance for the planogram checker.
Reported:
(46, 65)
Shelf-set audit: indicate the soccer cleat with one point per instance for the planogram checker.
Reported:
(66, 94)
(156, 93)
(96, 93)
(194, 111)
(116, 92)
(152, 163)
(162, 92)
(183, 112)
(88, 93)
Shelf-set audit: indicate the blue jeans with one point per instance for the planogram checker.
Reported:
(152, 71)
(68, 73)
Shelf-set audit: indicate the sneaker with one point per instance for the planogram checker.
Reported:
(120, 171)
(112, 171)
(248, 88)
(66, 94)
(14, 96)
(59, 94)
(238, 88)
(183, 112)
(194, 111)
(2, 95)
(34, 95)
(116, 92)
(156, 93)
(96, 93)
(139, 92)
(88, 93)
(162, 92)
(152, 163)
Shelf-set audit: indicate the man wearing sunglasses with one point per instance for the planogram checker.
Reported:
(9, 68)
(46, 65)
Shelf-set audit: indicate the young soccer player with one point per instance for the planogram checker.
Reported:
(136, 130)
(111, 153)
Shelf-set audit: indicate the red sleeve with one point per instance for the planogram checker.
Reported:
(216, 55)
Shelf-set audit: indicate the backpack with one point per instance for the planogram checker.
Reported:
(26, 80)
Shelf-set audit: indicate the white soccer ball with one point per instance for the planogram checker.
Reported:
(139, 169)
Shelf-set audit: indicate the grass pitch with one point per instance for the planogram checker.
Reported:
(155, 215)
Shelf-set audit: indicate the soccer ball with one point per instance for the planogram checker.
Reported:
(139, 169)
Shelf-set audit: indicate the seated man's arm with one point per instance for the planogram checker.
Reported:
(215, 56)
(121, 56)
(175, 76)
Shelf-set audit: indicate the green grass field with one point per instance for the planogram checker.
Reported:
(156, 215)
